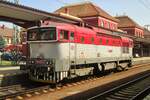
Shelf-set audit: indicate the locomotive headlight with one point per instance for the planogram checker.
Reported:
(48, 69)
(32, 62)
(47, 62)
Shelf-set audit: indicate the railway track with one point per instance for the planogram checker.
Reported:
(132, 90)
(16, 91)
(31, 89)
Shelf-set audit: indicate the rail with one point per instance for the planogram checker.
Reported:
(129, 91)
(18, 90)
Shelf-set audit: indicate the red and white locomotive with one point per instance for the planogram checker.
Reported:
(59, 50)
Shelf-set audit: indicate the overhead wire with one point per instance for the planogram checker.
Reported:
(148, 2)
(61, 1)
(144, 4)
(66, 3)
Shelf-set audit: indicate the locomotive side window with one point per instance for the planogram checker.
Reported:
(107, 41)
(100, 41)
(92, 39)
(125, 47)
(64, 35)
(72, 36)
(82, 39)
(102, 23)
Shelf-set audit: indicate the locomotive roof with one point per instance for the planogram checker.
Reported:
(75, 28)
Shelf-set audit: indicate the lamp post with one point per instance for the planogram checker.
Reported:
(15, 27)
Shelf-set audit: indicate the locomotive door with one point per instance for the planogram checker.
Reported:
(72, 49)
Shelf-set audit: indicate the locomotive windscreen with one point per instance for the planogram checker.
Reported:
(39, 34)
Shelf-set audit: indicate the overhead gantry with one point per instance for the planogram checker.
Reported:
(26, 16)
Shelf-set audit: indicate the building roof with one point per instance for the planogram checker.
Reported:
(146, 32)
(6, 32)
(127, 22)
(86, 9)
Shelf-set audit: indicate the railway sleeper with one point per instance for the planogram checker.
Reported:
(128, 94)
(108, 98)
(121, 95)
(118, 97)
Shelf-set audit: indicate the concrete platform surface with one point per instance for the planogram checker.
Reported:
(9, 72)
(141, 60)
(2, 68)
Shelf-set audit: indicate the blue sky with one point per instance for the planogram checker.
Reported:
(138, 10)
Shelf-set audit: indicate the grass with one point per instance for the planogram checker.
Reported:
(6, 63)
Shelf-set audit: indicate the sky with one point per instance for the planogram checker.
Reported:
(138, 10)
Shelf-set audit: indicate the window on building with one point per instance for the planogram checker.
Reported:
(9, 41)
(108, 25)
(140, 34)
(102, 23)
(114, 26)
(136, 34)
(6, 40)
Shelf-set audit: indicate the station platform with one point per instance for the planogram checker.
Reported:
(11, 75)
(9, 70)
(141, 60)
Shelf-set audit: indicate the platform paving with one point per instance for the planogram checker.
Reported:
(9, 68)
(141, 60)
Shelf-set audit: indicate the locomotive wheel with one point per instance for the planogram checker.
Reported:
(130, 64)
(119, 68)
(98, 69)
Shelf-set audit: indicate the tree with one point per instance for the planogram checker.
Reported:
(2, 42)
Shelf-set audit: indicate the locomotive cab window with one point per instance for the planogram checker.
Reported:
(41, 34)
(32, 34)
(64, 35)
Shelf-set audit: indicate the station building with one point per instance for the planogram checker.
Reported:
(137, 33)
(147, 45)
(91, 14)
(95, 16)
(130, 26)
